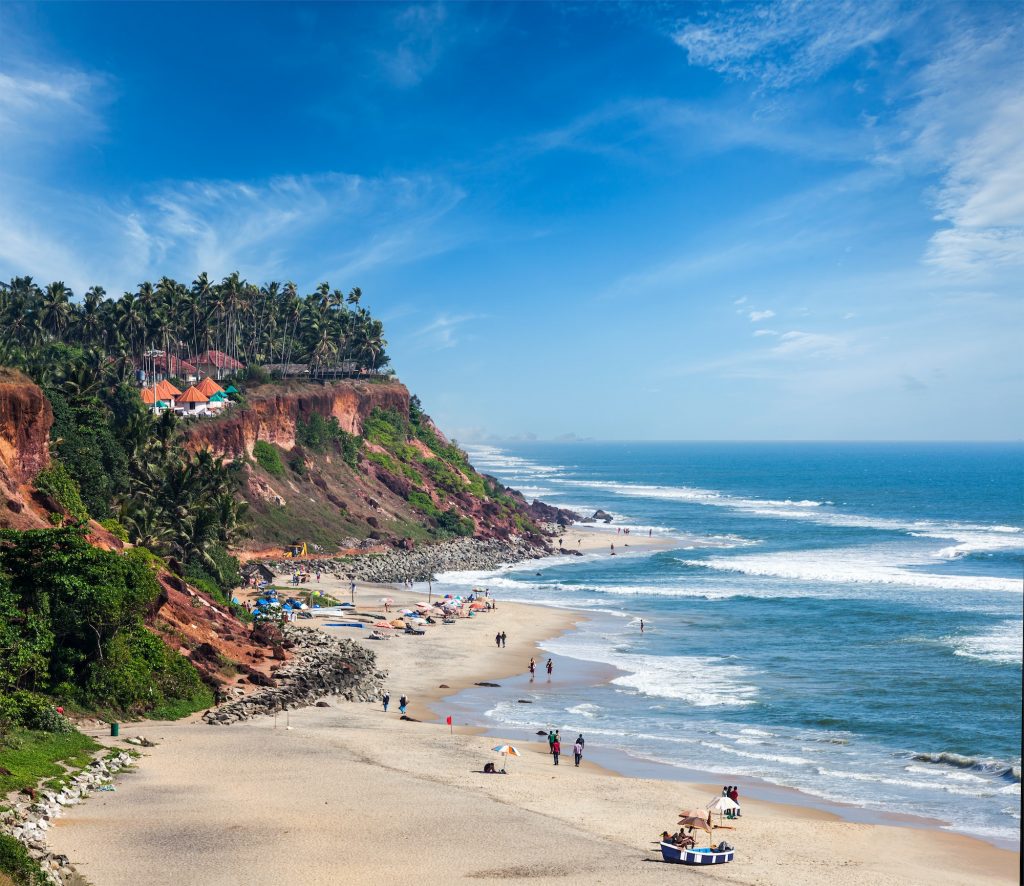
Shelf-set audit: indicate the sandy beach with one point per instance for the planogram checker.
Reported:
(349, 794)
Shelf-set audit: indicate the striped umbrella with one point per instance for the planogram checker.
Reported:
(506, 750)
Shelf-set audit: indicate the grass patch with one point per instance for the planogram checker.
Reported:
(17, 867)
(30, 756)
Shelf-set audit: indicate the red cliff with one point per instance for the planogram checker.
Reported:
(25, 420)
(271, 412)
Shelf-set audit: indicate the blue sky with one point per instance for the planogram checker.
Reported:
(721, 221)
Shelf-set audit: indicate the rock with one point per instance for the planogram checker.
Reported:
(602, 515)
(444, 686)
(322, 704)
(485, 683)
(525, 701)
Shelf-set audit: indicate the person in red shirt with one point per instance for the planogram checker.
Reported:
(556, 749)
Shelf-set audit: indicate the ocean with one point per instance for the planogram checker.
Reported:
(842, 619)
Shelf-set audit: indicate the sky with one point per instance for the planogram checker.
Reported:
(755, 221)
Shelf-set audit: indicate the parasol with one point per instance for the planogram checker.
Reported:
(506, 750)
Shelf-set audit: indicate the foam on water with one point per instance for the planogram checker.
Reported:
(849, 566)
(1003, 644)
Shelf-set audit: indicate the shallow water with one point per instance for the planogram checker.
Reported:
(841, 619)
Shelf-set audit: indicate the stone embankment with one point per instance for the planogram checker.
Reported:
(321, 665)
(423, 564)
(30, 821)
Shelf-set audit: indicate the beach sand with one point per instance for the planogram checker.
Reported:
(349, 794)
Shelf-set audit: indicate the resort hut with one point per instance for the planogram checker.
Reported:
(193, 402)
(151, 400)
(166, 391)
(230, 389)
(209, 387)
(218, 363)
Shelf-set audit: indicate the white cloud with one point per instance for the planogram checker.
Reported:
(740, 301)
(421, 45)
(327, 226)
(441, 332)
(781, 44)
(758, 333)
(758, 316)
(808, 344)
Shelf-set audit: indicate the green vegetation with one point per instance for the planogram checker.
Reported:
(270, 324)
(268, 458)
(318, 433)
(32, 755)
(56, 482)
(71, 627)
(17, 865)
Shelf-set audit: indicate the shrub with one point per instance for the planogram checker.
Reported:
(114, 527)
(317, 433)
(268, 458)
(298, 464)
(29, 710)
(56, 482)
(18, 865)
(421, 501)
(450, 521)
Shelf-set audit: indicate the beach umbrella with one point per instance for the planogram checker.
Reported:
(698, 823)
(386, 600)
(721, 805)
(506, 751)
(477, 605)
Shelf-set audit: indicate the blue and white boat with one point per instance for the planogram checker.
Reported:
(678, 855)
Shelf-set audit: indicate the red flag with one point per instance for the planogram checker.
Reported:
(449, 721)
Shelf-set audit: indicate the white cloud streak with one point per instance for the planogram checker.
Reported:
(758, 316)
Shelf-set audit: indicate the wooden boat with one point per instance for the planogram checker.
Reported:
(678, 855)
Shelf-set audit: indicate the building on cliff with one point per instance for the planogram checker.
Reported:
(218, 364)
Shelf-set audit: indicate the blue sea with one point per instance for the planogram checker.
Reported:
(842, 619)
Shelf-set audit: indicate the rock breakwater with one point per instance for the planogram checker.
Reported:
(423, 564)
(321, 665)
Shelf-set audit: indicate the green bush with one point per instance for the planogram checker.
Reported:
(316, 432)
(450, 521)
(56, 482)
(422, 502)
(268, 458)
(29, 710)
(298, 465)
(114, 527)
(18, 865)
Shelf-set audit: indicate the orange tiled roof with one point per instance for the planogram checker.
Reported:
(193, 395)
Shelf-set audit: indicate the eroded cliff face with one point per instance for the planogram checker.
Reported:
(25, 421)
(271, 412)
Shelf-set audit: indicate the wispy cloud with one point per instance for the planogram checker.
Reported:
(758, 316)
(785, 43)
(333, 225)
(441, 332)
(422, 40)
(758, 333)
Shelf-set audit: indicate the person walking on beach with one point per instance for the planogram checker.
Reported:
(533, 669)
(403, 703)
(550, 668)
(497, 639)
(577, 751)
(580, 740)
(556, 749)
(551, 741)
(387, 700)
(503, 639)
(734, 795)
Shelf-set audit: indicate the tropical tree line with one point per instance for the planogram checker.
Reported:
(255, 324)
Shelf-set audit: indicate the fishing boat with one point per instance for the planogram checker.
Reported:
(678, 855)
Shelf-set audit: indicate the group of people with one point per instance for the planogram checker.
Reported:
(403, 702)
(499, 640)
(555, 746)
(732, 792)
(550, 666)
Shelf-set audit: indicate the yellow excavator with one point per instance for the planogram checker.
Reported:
(298, 549)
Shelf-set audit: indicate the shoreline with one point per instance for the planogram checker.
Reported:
(324, 794)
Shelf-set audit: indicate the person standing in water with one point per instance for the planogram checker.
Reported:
(533, 667)
(641, 625)
(550, 667)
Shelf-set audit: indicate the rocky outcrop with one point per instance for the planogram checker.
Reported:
(30, 821)
(271, 412)
(321, 665)
(25, 420)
